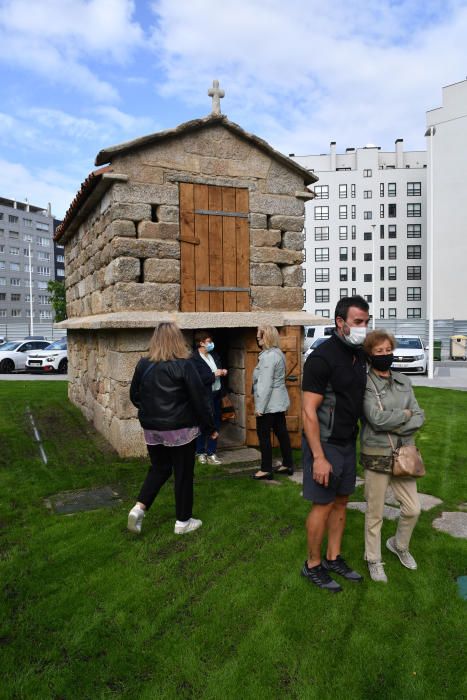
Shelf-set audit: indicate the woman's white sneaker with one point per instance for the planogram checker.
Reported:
(190, 525)
(135, 519)
(376, 570)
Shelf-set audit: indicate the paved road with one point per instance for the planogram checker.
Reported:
(25, 376)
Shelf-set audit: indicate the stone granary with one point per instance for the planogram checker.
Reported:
(203, 225)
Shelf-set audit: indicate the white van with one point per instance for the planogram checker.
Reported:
(313, 332)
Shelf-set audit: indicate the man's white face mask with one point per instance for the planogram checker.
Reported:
(356, 336)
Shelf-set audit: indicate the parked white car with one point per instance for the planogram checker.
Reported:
(410, 355)
(13, 355)
(314, 332)
(53, 359)
(315, 344)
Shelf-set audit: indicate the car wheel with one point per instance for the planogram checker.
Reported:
(63, 366)
(7, 366)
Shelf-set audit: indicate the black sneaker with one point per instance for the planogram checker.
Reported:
(340, 566)
(320, 577)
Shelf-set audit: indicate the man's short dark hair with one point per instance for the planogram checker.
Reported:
(344, 304)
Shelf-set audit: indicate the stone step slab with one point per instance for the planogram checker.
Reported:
(453, 523)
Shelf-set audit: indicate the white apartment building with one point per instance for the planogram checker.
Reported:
(366, 231)
(25, 228)
(447, 165)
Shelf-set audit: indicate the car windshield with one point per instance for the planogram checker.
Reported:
(57, 345)
(9, 346)
(319, 341)
(408, 343)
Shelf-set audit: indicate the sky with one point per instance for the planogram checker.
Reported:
(81, 75)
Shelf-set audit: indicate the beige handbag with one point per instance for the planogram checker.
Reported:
(407, 460)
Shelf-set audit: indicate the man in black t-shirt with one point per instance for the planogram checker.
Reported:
(334, 380)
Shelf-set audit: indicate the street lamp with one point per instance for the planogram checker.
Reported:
(431, 131)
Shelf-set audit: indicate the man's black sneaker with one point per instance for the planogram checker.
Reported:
(320, 577)
(340, 566)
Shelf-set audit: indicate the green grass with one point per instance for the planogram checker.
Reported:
(90, 611)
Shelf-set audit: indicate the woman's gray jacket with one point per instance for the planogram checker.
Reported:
(269, 390)
(396, 394)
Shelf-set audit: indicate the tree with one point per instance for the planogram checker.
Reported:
(57, 299)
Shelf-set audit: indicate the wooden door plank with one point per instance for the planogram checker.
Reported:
(216, 299)
(251, 360)
(242, 235)
(229, 248)
(291, 343)
(201, 201)
(187, 250)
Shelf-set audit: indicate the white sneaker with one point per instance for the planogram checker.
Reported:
(189, 526)
(405, 558)
(213, 459)
(376, 570)
(201, 458)
(135, 519)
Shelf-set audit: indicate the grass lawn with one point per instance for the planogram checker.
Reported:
(90, 611)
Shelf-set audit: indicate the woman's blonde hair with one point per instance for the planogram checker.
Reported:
(167, 343)
(270, 337)
(375, 338)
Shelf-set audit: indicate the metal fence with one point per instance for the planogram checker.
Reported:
(443, 330)
(18, 331)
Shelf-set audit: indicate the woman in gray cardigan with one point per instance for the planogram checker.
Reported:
(389, 406)
(271, 402)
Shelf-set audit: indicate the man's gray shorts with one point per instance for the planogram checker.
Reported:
(341, 480)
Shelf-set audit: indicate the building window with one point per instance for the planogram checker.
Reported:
(392, 252)
(27, 223)
(381, 211)
(27, 238)
(343, 254)
(392, 190)
(13, 235)
(342, 191)
(367, 257)
(381, 274)
(414, 189)
(321, 296)
(321, 233)
(414, 209)
(381, 313)
(367, 173)
(367, 236)
(16, 297)
(392, 313)
(14, 251)
(354, 232)
(12, 219)
(354, 253)
(392, 273)
(321, 254)
(367, 215)
(16, 313)
(322, 274)
(44, 271)
(392, 231)
(381, 231)
(368, 297)
(414, 272)
(381, 294)
(353, 191)
(343, 292)
(367, 278)
(354, 274)
(414, 230)
(343, 274)
(381, 189)
(343, 233)
(324, 313)
(354, 291)
(303, 274)
(321, 213)
(414, 293)
(414, 252)
(29, 268)
(414, 313)
(2, 281)
(342, 211)
(42, 285)
(15, 267)
(43, 241)
(42, 227)
(321, 191)
(353, 210)
(381, 252)
(45, 314)
(43, 256)
(392, 211)
(367, 194)
(60, 258)
(392, 294)
(3, 313)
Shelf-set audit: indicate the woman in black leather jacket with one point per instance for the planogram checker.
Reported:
(172, 406)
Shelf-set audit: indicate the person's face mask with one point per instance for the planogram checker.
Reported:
(209, 346)
(356, 335)
(381, 362)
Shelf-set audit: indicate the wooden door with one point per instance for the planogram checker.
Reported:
(291, 341)
(215, 248)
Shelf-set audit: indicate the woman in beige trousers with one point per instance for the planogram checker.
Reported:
(390, 407)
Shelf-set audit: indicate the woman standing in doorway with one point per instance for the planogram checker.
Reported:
(271, 402)
(209, 367)
(171, 403)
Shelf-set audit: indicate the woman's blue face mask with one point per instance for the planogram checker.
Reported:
(209, 346)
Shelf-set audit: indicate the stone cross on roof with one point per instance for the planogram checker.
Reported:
(216, 93)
